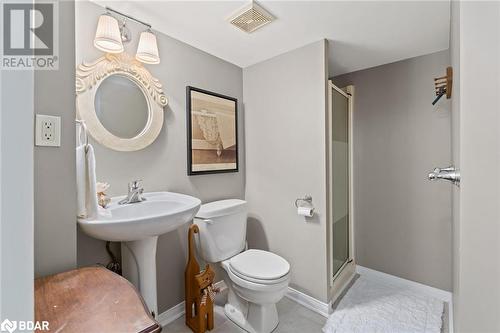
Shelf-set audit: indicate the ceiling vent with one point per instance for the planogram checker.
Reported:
(251, 18)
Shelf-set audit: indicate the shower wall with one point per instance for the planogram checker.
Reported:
(402, 221)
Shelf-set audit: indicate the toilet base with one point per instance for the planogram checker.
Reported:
(260, 318)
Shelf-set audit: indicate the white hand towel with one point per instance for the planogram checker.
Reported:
(86, 182)
(80, 132)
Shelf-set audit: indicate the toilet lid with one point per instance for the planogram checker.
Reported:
(260, 265)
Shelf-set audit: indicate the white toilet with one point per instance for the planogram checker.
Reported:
(256, 279)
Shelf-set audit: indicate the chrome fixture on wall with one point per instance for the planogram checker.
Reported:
(450, 173)
(307, 198)
(110, 36)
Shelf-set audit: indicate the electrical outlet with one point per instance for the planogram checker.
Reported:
(47, 131)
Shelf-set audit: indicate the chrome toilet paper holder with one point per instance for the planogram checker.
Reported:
(306, 198)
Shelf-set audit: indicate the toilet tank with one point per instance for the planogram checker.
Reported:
(223, 227)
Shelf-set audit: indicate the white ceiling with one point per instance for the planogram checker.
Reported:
(362, 34)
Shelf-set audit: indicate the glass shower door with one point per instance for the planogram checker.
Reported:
(340, 179)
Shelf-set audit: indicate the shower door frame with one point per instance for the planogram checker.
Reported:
(339, 280)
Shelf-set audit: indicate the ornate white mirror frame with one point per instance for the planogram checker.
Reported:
(89, 77)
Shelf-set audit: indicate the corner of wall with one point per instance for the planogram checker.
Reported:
(54, 168)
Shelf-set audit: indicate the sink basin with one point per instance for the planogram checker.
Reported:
(137, 226)
(162, 212)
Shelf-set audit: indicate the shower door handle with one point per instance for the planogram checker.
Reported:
(450, 174)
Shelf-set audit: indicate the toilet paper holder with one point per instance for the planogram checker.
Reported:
(306, 198)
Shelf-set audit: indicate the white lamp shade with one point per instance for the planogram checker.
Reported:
(107, 36)
(147, 50)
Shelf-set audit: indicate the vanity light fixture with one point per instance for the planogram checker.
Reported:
(125, 32)
(107, 36)
(110, 36)
(147, 50)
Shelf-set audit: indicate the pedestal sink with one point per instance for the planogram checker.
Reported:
(137, 226)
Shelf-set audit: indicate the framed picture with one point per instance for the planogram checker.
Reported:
(212, 132)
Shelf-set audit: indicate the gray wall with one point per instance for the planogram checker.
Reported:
(162, 166)
(55, 188)
(478, 292)
(402, 221)
(285, 148)
(16, 195)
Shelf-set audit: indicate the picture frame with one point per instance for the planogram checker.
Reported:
(212, 132)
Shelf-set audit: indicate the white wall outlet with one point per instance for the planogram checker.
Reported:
(47, 130)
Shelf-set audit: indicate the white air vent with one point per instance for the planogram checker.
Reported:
(251, 18)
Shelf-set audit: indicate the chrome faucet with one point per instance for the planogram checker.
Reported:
(450, 173)
(134, 193)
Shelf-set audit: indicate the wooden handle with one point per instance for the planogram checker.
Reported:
(193, 229)
(199, 310)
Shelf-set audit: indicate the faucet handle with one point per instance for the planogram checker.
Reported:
(134, 185)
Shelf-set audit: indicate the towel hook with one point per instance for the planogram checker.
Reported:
(443, 85)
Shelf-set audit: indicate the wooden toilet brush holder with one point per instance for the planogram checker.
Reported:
(199, 290)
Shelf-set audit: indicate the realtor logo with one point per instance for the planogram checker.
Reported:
(8, 326)
(30, 36)
(28, 29)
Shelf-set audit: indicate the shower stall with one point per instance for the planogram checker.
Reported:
(340, 217)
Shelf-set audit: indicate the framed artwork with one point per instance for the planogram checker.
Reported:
(212, 132)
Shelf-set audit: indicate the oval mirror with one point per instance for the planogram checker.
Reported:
(121, 106)
(120, 102)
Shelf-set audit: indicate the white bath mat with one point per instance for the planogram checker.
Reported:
(371, 306)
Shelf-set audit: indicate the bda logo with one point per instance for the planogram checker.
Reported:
(8, 326)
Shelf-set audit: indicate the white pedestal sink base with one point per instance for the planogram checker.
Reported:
(137, 226)
(139, 267)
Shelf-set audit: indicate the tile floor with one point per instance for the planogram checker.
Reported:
(294, 318)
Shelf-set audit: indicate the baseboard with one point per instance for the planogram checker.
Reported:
(440, 294)
(309, 302)
(306, 301)
(171, 314)
(178, 310)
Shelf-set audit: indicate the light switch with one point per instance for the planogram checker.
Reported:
(47, 130)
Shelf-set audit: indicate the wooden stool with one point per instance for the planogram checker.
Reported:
(92, 300)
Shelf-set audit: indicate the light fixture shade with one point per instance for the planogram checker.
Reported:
(147, 50)
(107, 36)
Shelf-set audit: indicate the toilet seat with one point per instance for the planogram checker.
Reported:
(260, 267)
(257, 281)
(259, 287)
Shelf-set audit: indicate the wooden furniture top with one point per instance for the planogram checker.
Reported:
(91, 299)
